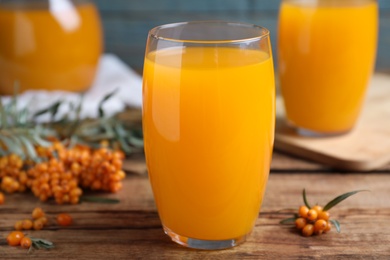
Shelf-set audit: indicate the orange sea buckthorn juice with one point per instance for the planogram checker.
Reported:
(208, 128)
(327, 53)
(53, 46)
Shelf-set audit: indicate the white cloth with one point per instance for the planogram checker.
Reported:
(112, 74)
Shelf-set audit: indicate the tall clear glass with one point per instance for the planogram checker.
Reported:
(208, 118)
(327, 51)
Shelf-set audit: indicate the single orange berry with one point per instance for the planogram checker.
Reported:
(318, 232)
(27, 224)
(320, 225)
(324, 215)
(312, 214)
(317, 208)
(37, 225)
(37, 213)
(14, 238)
(18, 225)
(300, 223)
(328, 227)
(43, 219)
(64, 219)
(2, 198)
(26, 242)
(303, 210)
(308, 230)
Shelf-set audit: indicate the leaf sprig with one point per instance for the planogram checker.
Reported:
(20, 132)
(18, 135)
(39, 243)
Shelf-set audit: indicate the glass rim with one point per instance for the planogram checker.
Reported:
(153, 33)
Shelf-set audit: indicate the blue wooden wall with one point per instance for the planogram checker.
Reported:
(126, 22)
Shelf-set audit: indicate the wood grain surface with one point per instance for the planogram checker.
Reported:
(365, 148)
(131, 229)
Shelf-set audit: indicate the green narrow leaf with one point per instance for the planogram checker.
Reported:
(121, 129)
(42, 241)
(39, 243)
(29, 148)
(305, 199)
(79, 107)
(108, 128)
(339, 199)
(137, 142)
(74, 125)
(18, 146)
(336, 224)
(54, 109)
(105, 98)
(38, 140)
(98, 200)
(14, 103)
(125, 147)
(3, 152)
(22, 117)
(13, 145)
(41, 112)
(51, 109)
(9, 144)
(288, 221)
(3, 114)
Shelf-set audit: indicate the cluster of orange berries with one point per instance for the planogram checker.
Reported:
(14, 178)
(16, 238)
(313, 221)
(39, 220)
(64, 172)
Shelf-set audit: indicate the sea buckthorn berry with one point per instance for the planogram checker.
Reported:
(37, 213)
(37, 225)
(2, 198)
(303, 210)
(308, 230)
(317, 208)
(318, 232)
(324, 215)
(320, 225)
(27, 224)
(64, 219)
(312, 214)
(300, 223)
(26, 242)
(14, 238)
(74, 200)
(18, 225)
(43, 219)
(328, 227)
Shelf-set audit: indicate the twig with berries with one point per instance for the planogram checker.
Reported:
(316, 220)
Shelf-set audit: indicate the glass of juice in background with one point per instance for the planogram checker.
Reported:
(208, 118)
(327, 52)
(52, 45)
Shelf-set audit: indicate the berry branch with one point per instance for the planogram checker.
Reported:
(316, 220)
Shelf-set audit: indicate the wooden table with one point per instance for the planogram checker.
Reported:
(131, 229)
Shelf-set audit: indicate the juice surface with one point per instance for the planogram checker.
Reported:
(50, 49)
(208, 126)
(326, 57)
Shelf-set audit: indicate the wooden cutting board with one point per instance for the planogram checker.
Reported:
(365, 148)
